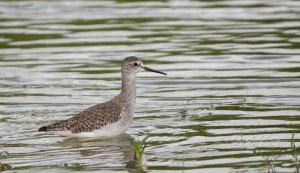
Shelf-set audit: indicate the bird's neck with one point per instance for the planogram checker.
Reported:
(128, 90)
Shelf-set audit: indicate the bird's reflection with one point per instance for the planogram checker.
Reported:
(107, 151)
(97, 146)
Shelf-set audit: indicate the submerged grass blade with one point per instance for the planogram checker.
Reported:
(139, 148)
(294, 152)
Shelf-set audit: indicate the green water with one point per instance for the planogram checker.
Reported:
(230, 102)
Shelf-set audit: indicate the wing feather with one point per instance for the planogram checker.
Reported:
(89, 119)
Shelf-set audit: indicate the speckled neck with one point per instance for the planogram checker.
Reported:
(128, 89)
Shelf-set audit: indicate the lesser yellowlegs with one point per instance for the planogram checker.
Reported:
(110, 118)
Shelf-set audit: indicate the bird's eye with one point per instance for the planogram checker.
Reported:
(135, 64)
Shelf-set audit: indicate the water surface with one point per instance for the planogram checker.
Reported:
(230, 102)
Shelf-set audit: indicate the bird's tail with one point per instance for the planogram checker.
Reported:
(43, 129)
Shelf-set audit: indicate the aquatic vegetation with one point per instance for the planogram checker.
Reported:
(185, 110)
(209, 109)
(244, 100)
(139, 148)
(270, 161)
(4, 154)
(4, 166)
(241, 134)
(271, 157)
(196, 112)
(294, 152)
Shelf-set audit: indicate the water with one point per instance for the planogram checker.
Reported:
(230, 102)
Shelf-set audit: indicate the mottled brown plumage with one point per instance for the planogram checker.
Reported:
(89, 119)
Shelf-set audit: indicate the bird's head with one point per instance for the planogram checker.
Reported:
(134, 65)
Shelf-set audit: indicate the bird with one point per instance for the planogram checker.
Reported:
(110, 118)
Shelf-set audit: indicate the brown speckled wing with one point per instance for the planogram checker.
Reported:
(90, 119)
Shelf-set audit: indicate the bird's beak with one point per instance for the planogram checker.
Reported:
(152, 70)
